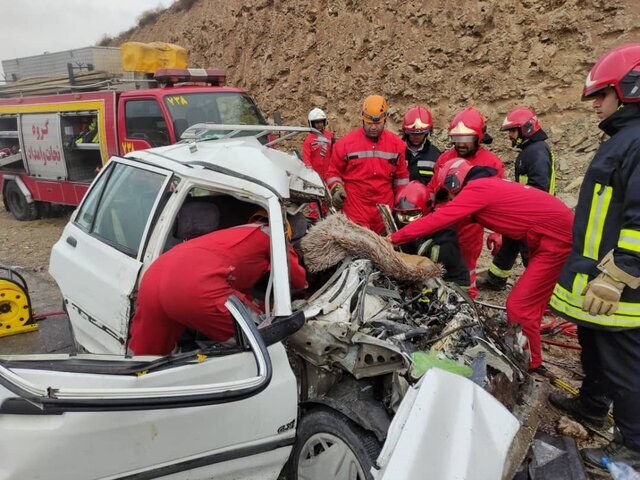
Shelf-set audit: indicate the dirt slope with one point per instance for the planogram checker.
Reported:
(492, 54)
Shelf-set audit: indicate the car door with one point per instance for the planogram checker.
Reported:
(97, 260)
(225, 413)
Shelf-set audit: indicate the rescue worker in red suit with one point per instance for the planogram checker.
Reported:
(368, 167)
(187, 287)
(534, 166)
(599, 287)
(540, 220)
(442, 247)
(421, 153)
(467, 131)
(316, 149)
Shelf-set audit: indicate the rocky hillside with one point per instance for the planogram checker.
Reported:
(492, 54)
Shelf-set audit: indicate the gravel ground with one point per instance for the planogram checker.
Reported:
(25, 247)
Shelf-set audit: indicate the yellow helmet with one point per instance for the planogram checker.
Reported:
(374, 109)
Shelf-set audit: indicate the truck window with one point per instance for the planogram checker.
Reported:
(230, 108)
(118, 208)
(144, 120)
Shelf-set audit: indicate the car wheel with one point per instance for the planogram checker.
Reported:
(329, 445)
(17, 203)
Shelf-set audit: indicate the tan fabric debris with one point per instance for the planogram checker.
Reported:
(568, 427)
(335, 237)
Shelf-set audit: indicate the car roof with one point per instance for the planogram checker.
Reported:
(243, 157)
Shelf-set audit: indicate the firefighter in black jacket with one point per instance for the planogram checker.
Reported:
(535, 166)
(599, 287)
(411, 203)
(420, 152)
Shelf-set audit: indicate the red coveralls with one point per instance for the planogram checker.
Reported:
(470, 235)
(520, 212)
(371, 171)
(188, 286)
(316, 152)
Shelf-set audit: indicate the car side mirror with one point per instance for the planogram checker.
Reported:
(279, 328)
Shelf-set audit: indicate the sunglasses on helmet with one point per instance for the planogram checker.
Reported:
(409, 216)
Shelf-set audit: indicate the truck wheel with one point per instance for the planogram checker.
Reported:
(17, 203)
(329, 445)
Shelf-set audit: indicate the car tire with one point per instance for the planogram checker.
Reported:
(329, 445)
(17, 203)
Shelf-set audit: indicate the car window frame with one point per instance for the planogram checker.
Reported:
(58, 400)
(160, 200)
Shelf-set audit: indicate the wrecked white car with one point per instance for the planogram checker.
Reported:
(329, 385)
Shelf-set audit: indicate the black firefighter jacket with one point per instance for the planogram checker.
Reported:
(607, 218)
(535, 164)
(422, 162)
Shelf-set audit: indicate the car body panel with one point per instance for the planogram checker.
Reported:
(245, 438)
(450, 427)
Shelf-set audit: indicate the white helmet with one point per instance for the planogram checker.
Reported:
(315, 115)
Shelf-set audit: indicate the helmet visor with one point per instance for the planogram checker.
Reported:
(463, 138)
(408, 216)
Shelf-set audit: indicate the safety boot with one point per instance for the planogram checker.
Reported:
(575, 408)
(616, 451)
(491, 282)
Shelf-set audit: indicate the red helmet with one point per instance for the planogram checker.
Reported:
(469, 122)
(452, 174)
(523, 118)
(411, 202)
(618, 68)
(417, 120)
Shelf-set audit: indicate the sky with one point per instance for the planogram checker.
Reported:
(32, 27)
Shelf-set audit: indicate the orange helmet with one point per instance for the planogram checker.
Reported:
(452, 175)
(465, 124)
(417, 120)
(522, 118)
(619, 68)
(374, 109)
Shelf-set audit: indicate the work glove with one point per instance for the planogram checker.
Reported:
(494, 243)
(338, 195)
(602, 295)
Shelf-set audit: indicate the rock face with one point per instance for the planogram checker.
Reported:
(491, 54)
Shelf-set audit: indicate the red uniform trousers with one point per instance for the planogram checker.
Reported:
(471, 241)
(530, 295)
(167, 305)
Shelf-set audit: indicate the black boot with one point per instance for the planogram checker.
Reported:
(491, 282)
(616, 451)
(576, 409)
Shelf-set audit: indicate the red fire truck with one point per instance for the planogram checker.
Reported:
(51, 147)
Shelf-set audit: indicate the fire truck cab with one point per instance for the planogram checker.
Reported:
(52, 146)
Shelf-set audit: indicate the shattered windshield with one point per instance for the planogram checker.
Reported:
(227, 108)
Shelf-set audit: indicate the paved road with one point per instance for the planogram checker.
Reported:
(53, 334)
